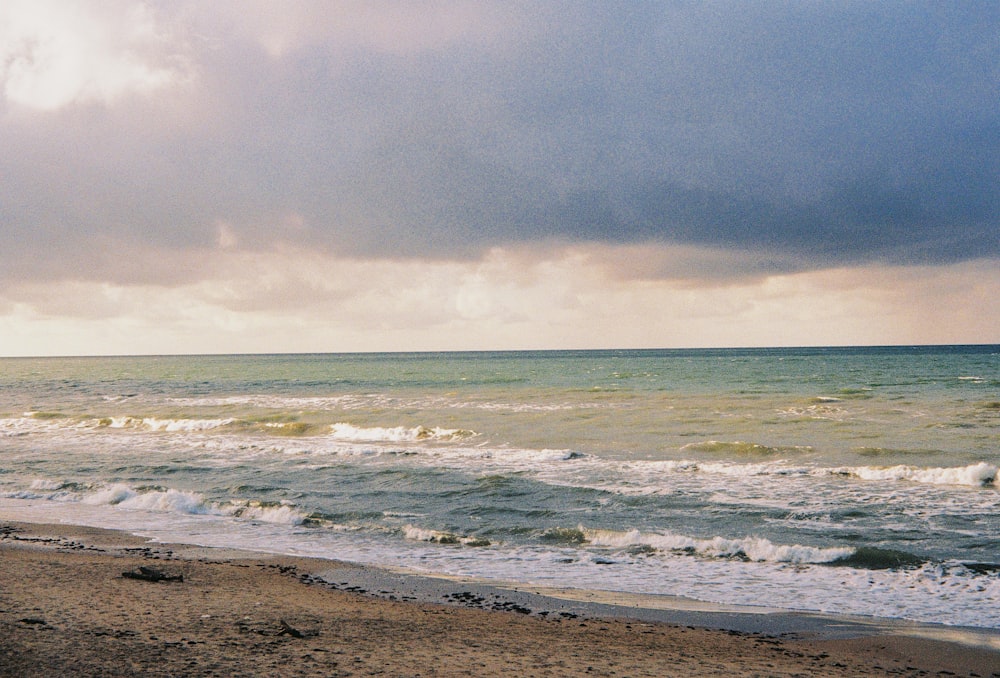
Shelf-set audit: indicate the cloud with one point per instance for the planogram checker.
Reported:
(150, 146)
(55, 54)
(566, 297)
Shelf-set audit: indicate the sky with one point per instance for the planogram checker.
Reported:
(296, 176)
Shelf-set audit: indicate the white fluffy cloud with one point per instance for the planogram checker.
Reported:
(53, 54)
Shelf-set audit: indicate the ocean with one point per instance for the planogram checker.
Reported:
(858, 481)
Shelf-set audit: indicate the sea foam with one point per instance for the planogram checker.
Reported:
(414, 533)
(169, 500)
(281, 514)
(191, 503)
(979, 474)
(348, 432)
(170, 425)
(755, 549)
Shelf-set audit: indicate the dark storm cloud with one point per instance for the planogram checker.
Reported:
(831, 133)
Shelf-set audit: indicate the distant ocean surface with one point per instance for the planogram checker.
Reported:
(844, 480)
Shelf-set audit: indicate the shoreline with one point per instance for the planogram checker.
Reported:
(660, 609)
(65, 606)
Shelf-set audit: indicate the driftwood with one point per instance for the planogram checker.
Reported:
(149, 574)
(289, 630)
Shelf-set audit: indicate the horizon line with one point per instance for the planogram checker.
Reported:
(511, 351)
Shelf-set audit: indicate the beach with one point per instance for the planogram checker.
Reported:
(84, 601)
(830, 480)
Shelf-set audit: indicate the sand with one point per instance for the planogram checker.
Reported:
(66, 608)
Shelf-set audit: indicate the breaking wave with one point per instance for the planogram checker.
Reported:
(414, 533)
(398, 434)
(164, 500)
(975, 475)
(980, 474)
(753, 549)
(33, 422)
(266, 512)
(36, 422)
(171, 425)
(368, 401)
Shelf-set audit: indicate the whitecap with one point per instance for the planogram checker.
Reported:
(975, 475)
(349, 432)
(752, 548)
(170, 500)
(280, 514)
(115, 494)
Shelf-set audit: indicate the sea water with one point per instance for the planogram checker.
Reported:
(843, 480)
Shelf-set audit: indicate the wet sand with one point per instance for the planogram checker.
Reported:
(66, 608)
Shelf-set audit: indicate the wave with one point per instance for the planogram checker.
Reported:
(855, 393)
(743, 449)
(980, 474)
(272, 402)
(170, 425)
(873, 451)
(52, 485)
(871, 558)
(367, 401)
(288, 428)
(821, 408)
(49, 490)
(528, 457)
(414, 533)
(644, 476)
(975, 475)
(33, 422)
(164, 500)
(29, 423)
(565, 535)
(40, 422)
(511, 459)
(377, 434)
(161, 500)
(269, 512)
(753, 549)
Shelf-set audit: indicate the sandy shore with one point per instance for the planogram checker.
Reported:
(66, 608)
